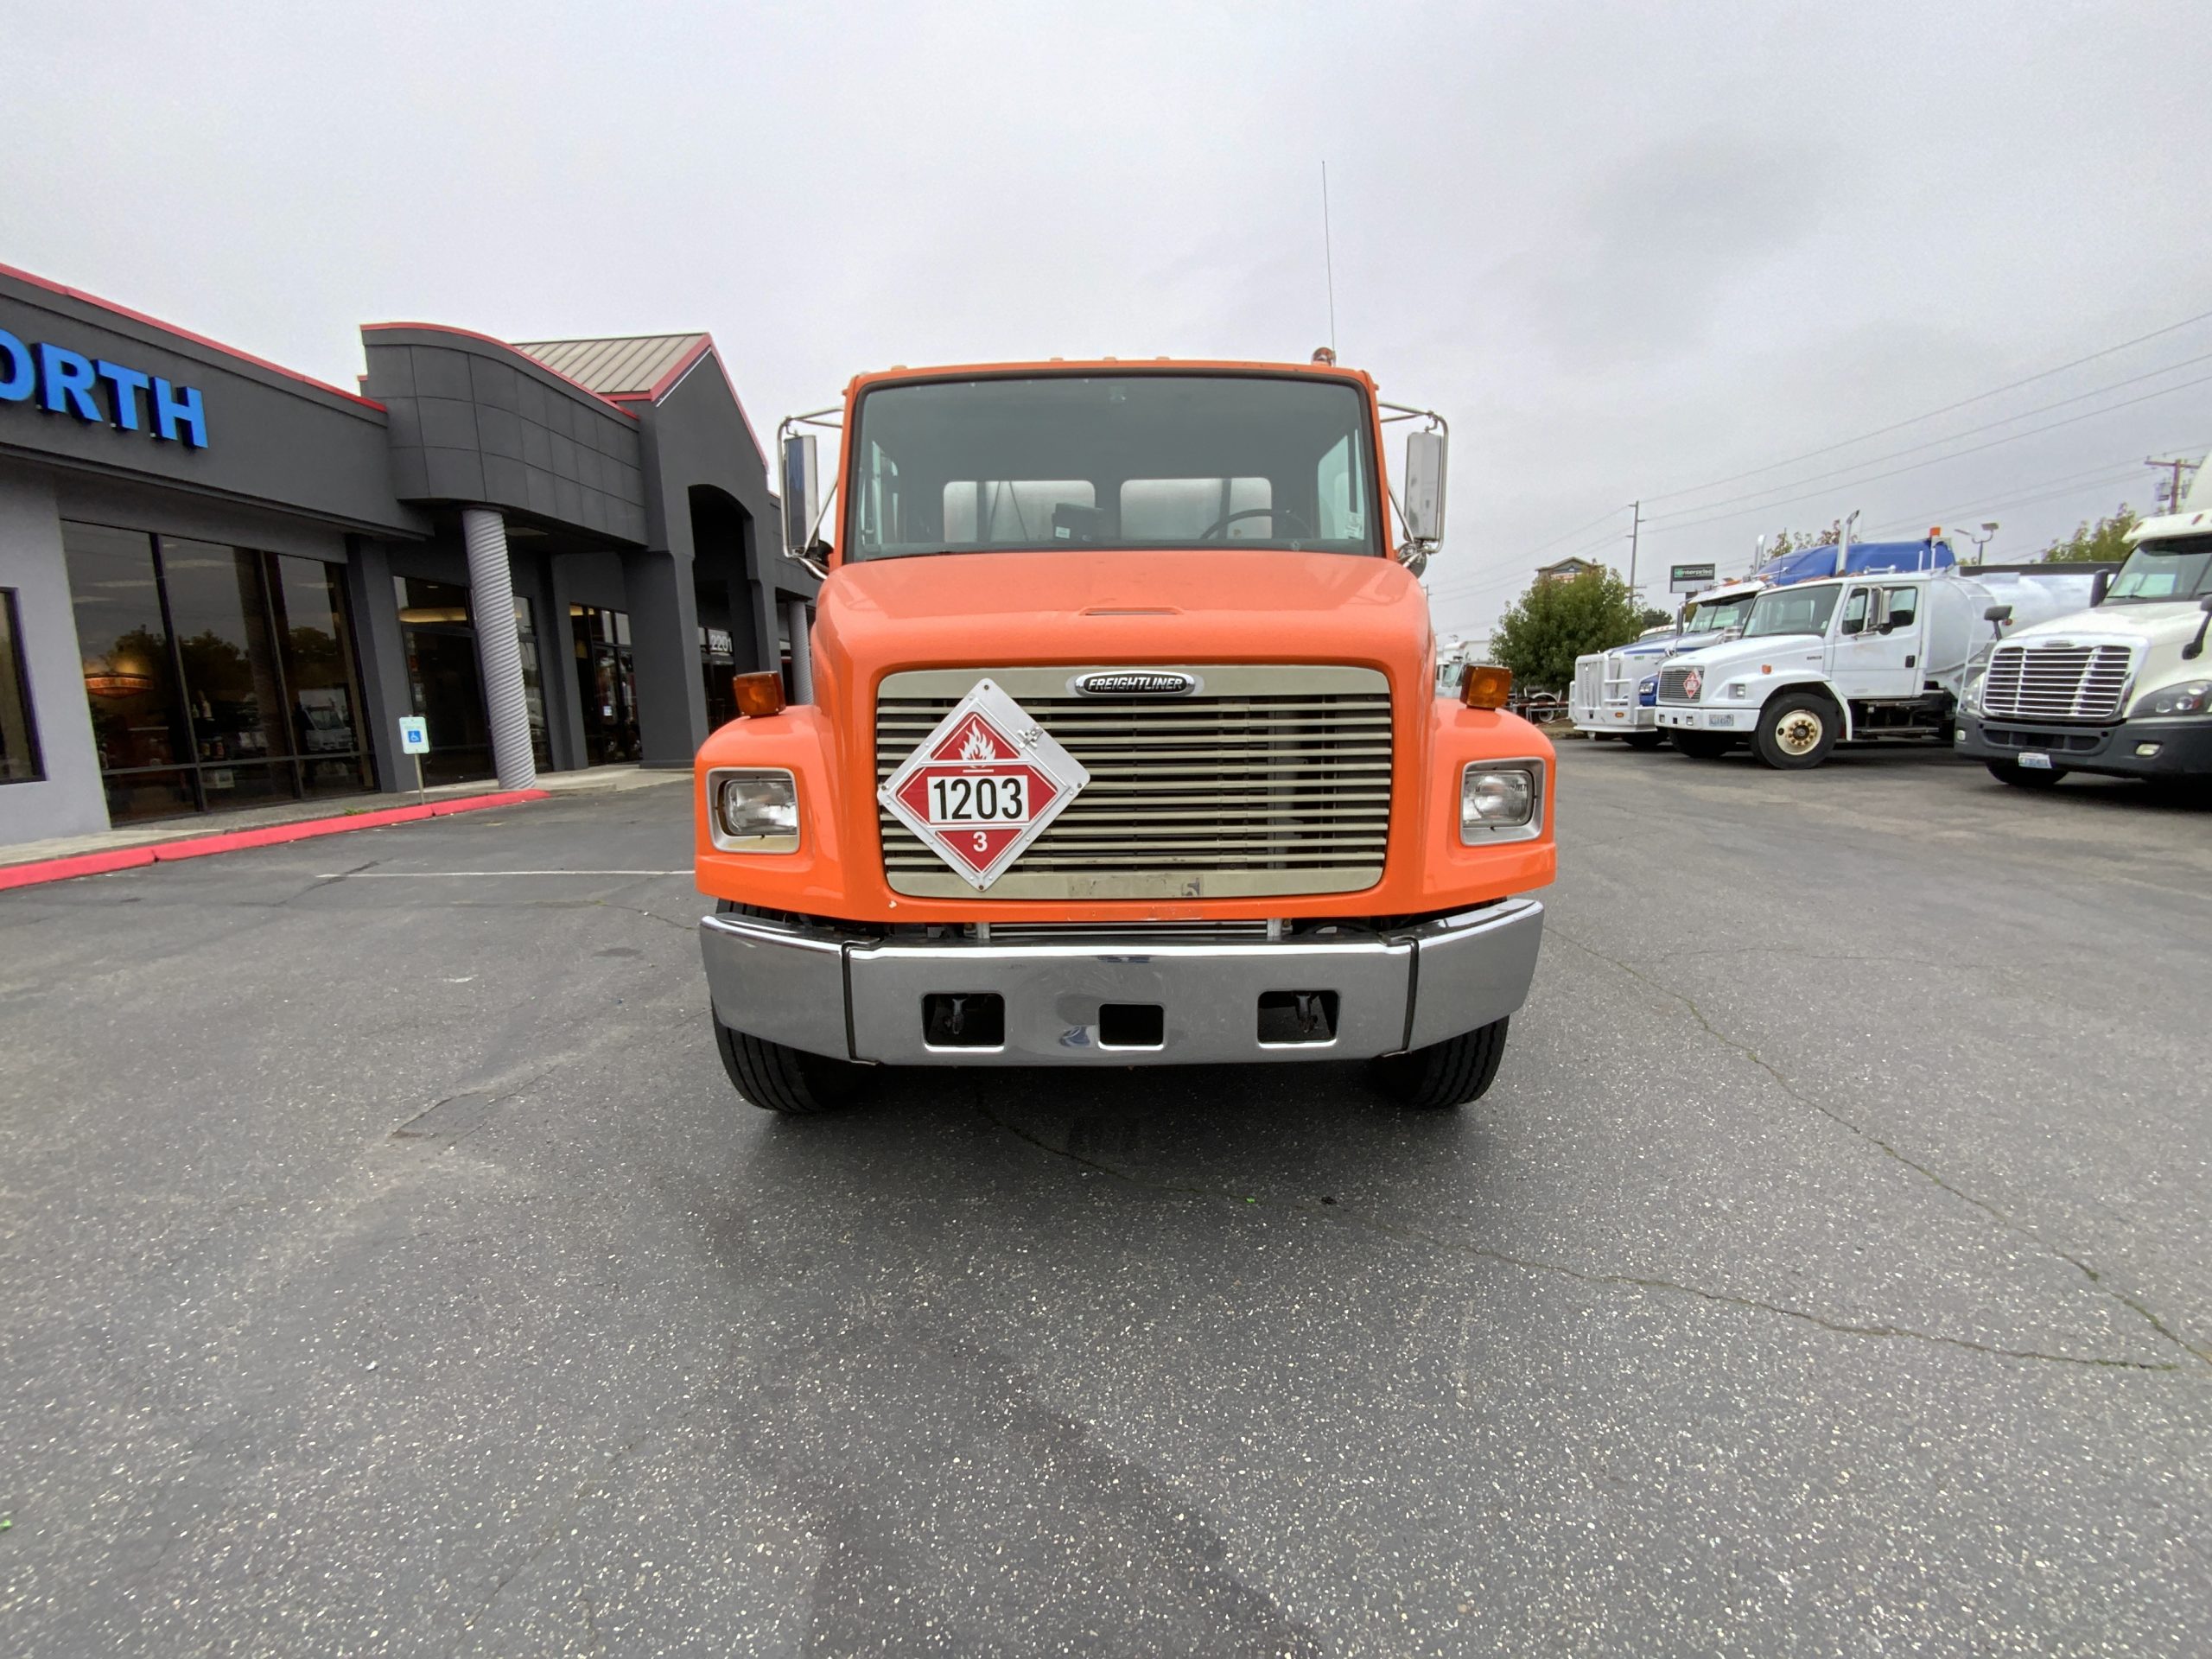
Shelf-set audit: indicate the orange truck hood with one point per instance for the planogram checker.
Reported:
(1108, 607)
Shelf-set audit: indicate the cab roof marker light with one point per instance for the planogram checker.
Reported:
(757, 694)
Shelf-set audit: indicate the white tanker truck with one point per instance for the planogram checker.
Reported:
(1864, 654)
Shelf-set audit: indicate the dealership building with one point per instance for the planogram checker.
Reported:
(224, 583)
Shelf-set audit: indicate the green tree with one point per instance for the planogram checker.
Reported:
(2106, 541)
(1653, 619)
(1783, 541)
(1555, 622)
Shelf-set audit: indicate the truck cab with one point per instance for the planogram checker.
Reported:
(2120, 687)
(1124, 746)
(1879, 654)
(1614, 691)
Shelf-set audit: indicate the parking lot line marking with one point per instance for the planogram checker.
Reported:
(446, 875)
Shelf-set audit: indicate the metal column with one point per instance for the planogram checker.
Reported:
(499, 649)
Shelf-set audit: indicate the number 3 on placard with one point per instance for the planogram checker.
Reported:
(982, 841)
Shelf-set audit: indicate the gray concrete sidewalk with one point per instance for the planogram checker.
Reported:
(596, 780)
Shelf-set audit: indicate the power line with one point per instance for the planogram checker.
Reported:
(1915, 448)
(2044, 489)
(1937, 461)
(1964, 403)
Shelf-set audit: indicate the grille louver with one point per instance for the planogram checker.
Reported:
(2055, 682)
(1269, 781)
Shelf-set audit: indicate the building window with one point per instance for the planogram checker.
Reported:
(18, 732)
(216, 675)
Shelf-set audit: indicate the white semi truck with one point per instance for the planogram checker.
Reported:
(2123, 686)
(1849, 659)
(1612, 695)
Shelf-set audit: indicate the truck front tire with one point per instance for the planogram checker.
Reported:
(1701, 746)
(777, 1079)
(1797, 731)
(1456, 1072)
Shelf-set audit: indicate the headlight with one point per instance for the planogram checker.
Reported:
(1972, 701)
(1736, 690)
(753, 811)
(1500, 803)
(2191, 699)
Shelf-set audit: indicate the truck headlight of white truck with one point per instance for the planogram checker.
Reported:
(2194, 698)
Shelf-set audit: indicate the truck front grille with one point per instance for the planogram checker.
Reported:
(2055, 682)
(1670, 686)
(1270, 780)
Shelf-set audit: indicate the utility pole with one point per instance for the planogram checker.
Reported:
(1635, 526)
(2173, 501)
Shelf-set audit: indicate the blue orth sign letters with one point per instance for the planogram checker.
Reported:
(63, 382)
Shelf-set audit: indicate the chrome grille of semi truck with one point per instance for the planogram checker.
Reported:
(1670, 686)
(1269, 780)
(2055, 682)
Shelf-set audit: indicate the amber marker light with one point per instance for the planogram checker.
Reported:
(1486, 686)
(757, 694)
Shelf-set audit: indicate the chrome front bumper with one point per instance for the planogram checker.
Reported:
(812, 985)
(1736, 717)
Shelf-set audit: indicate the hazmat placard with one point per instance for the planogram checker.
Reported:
(983, 785)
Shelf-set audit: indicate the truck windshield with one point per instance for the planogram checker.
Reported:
(1792, 610)
(1724, 613)
(1000, 464)
(2164, 571)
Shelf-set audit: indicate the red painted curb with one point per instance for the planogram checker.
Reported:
(60, 870)
(232, 841)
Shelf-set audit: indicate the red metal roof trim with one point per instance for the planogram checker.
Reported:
(504, 346)
(185, 333)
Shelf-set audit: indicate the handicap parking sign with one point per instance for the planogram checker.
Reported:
(414, 734)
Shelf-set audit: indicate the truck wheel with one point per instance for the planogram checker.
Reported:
(2020, 777)
(1701, 746)
(780, 1079)
(1641, 740)
(1454, 1072)
(1797, 731)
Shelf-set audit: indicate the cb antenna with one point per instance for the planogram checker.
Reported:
(1328, 259)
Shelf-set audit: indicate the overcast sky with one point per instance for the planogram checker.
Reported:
(1628, 251)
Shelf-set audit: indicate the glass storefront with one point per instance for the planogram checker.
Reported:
(607, 684)
(446, 682)
(19, 762)
(216, 676)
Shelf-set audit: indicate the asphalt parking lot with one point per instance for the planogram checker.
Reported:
(387, 1268)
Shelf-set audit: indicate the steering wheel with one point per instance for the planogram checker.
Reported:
(1220, 525)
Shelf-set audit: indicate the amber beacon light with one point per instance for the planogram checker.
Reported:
(757, 694)
(1487, 686)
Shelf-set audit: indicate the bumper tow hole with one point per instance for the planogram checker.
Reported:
(1298, 1016)
(1131, 1025)
(963, 1019)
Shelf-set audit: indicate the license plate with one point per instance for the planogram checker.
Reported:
(2034, 760)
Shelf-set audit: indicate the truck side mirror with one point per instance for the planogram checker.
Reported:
(2000, 614)
(2195, 648)
(2099, 584)
(1423, 504)
(802, 494)
(1901, 619)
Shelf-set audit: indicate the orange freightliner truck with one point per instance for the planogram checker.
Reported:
(1120, 745)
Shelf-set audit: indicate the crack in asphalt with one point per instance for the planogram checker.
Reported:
(2016, 1228)
(1337, 1215)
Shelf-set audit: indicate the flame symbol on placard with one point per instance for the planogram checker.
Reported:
(978, 745)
